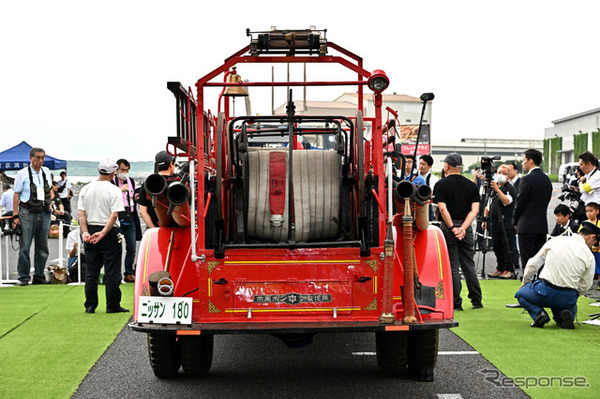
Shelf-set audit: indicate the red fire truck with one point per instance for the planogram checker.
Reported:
(290, 224)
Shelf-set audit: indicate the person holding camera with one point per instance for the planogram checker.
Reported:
(589, 184)
(63, 189)
(458, 202)
(129, 217)
(500, 211)
(59, 212)
(31, 211)
(530, 217)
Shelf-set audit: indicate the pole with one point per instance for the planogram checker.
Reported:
(408, 295)
(387, 315)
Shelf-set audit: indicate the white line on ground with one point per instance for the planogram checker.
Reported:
(439, 353)
(449, 396)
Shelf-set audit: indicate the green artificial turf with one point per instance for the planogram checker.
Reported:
(504, 337)
(48, 343)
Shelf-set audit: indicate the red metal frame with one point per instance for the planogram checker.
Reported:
(252, 275)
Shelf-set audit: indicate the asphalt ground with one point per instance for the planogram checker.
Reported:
(260, 366)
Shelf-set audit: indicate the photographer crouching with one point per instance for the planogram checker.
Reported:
(500, 213)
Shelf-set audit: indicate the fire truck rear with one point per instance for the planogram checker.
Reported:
(290, 224)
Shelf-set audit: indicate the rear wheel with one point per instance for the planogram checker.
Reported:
(164, 354)
(422, 353)
(392, 350)
(196, 354)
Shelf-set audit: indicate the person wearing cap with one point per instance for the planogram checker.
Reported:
(99, 205)
(31, 210)
(568, 272)
(530, 215)
(164, 165)
(458, 203)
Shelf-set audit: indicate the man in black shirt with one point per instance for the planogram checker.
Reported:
(502, 205)
(458, 202)
(165, 165)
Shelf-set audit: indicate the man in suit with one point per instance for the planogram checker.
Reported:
(564, 224)
(513, 175)
(534, 195)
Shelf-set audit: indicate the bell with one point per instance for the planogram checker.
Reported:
(235, 91)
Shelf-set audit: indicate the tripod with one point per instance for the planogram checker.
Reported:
(482, 218)
(485, 232)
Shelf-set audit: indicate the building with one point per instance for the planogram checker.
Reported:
(472, 149)
(407, 108)
(570, 136)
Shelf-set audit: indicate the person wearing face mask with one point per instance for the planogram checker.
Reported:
(500, 211)
(128, 219)
(568, 271)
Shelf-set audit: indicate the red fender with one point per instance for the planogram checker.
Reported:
(155, 250)
(433, 266)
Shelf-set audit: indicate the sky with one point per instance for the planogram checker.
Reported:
(87, 80)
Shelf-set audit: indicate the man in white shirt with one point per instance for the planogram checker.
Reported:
(99, 205)
(589, 185)
(7, 201)
(568, 272)
(73, 247)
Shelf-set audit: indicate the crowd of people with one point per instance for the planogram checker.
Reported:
(107, 216)
(513, 212)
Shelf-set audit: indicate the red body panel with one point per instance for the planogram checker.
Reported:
(290, 286)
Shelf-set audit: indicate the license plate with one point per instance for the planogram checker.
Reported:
(164, 310)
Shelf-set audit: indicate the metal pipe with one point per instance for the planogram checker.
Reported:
(156, 187)
(177, 195)
(193, 210)
(390, 188)
(387, 315)
(408, 295)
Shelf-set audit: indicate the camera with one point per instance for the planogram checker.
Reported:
(9, 231)
(487, 167)
(569, 194)
(575, 204)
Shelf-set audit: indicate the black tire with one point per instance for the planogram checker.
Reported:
(392, 351)
(196, 354)
(164, 354)
(422, 353)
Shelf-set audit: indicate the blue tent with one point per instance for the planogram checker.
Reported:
(17, 157)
